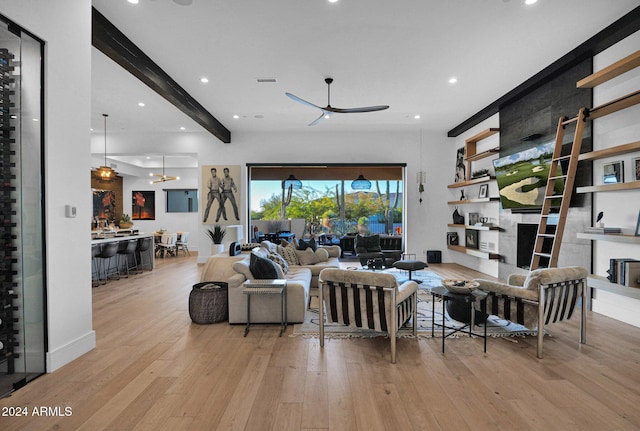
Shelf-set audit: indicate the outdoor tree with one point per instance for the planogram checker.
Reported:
(388, 204)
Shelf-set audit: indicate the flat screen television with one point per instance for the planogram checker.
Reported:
(522, 178)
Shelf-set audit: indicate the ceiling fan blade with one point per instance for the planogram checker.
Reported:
(352, 110)
(304, 102)
(320, 118)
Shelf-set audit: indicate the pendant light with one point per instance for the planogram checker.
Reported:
(105, 173)
(292, 181)
(361, 183)
(162, 178)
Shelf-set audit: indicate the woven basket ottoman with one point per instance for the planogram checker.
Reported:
(208, 302)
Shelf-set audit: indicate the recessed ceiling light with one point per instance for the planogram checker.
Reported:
(530, 2)
(148, 157)
(333, 1)
(133, 1)
(453, 80)
(236, 117)
(204, 79)
(327, 116)
(141, 104)
(416, 117)
(182, 128)
(34, 119)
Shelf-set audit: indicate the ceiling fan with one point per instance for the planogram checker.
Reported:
(329, 110)
(162, 178)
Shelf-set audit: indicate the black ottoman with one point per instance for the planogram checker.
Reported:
(410, 265)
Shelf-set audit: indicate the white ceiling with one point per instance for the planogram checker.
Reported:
(400, 53)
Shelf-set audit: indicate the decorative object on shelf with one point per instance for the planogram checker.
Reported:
(462, 196)
(452, 238)
(457, 217)
(484, 191)
(471, 238)
(105, 173)
(480, 173)
(460, 166)
(613, 172)
(636, 169)
(162, 177)
(637, 233)
(125, 221)
(599, 222)
(421, 178)
(460, 286)
(361, 183)
(473, 218)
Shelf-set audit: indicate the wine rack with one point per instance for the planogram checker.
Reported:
(8, 236)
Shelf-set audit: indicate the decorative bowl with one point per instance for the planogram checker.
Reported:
(460, 286)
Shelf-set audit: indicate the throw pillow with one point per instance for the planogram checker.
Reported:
(280, 261)
(323, 254)
(307, 257)
(289, 254)
(310, 243)
(262, 268)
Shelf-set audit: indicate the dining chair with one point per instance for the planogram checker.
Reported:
(182, 243)
(167, 244)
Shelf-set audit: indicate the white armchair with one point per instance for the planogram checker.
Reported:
(364, 299)
(544, 296)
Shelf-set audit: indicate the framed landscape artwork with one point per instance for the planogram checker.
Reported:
(143, 205)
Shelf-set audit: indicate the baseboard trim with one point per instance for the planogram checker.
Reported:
(70, 351)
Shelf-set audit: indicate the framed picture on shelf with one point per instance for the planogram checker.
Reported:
(471, 238)
(636, 169)
(473, 218)
(452, 238)
(613, 172)
(638, 225)
(484, 191)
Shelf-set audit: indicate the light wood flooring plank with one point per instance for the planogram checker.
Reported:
(153, 369)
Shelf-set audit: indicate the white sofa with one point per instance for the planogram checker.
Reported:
(302, 282)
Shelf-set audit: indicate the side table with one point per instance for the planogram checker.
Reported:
(267, 287)
(442, 293)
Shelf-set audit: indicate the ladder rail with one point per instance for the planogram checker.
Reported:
(565, 198)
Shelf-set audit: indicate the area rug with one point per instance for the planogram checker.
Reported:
(496, 327)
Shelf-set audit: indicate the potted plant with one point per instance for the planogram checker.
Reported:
(216, 234)
(125, 221)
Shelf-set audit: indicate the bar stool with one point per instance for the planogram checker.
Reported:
(95, 268)
(108, 252)
(126, 249)
(144, 245)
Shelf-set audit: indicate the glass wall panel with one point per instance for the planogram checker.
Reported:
(22, 289)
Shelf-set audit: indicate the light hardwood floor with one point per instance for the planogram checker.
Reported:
(153, 369)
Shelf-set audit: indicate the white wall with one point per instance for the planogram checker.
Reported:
(426, 223)
(67, 122)
(621, 207)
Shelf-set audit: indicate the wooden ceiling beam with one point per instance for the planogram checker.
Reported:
(115, 45)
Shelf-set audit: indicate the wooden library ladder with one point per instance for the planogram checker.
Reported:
(546, 258)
